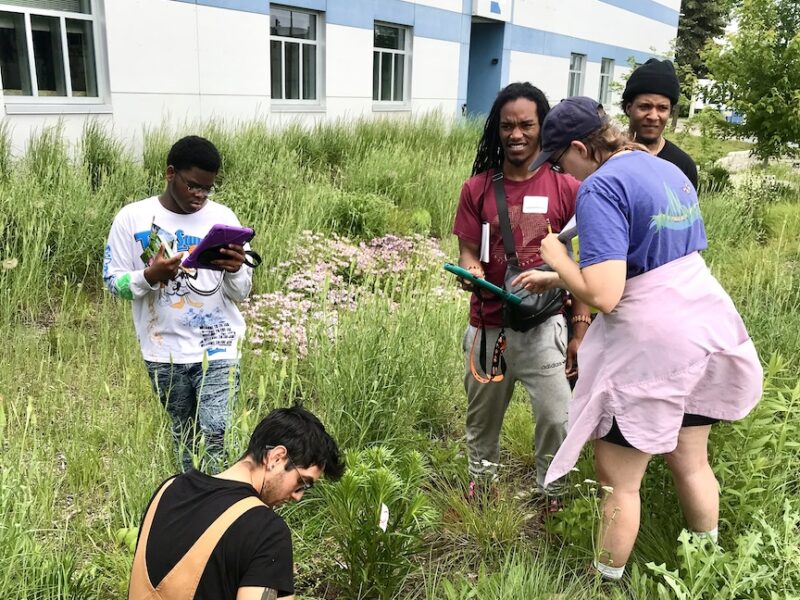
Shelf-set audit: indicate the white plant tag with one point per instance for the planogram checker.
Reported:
(484, 257)
(534, 204)
(384, 520)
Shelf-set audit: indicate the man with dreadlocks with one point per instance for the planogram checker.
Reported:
(540, 358)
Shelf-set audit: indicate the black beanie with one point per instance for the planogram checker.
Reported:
(653, 77)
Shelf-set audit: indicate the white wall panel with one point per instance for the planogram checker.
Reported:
(434, 69)
(347, 107)
(152, 46)
(591, 80)
(550, 74)
(233, 52)
(595, 21)
(23, 127)
(349, 62)
(134, 112)
(446, 106)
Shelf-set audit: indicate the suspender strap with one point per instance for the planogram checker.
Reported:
(182, 581)
(505, 221)
(140, 587)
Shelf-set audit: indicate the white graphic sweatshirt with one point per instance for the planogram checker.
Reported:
(195, 312)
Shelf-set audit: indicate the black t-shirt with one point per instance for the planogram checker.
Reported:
(680, 159)
(256, 550)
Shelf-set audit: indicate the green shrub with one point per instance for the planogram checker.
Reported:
(713, 179)
(377, 515)
(5, 151)
(360, 214)
(47, 158)
(101, 154)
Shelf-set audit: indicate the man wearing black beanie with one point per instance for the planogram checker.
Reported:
(649, 97)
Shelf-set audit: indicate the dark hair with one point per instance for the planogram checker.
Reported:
(490, 150)
(194, 151)
(304, 437)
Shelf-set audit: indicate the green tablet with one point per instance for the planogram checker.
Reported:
(482, 283)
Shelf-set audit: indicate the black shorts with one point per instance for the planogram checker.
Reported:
(615, 436)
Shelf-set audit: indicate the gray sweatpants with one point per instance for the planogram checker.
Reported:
(536, 359)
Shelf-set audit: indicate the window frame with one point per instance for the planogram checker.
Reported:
(407, 53)
(606, 77)
(579, 74)
(67, 104)
(295, 104)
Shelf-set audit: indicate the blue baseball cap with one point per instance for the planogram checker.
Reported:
(571, 119)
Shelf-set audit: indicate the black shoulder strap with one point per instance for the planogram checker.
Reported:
(505, 221)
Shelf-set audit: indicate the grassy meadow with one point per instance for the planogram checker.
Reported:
(353, 316)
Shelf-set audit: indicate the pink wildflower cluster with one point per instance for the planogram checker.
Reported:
(327, 275)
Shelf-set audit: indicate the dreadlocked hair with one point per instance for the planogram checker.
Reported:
(608, 139)
(490, 151)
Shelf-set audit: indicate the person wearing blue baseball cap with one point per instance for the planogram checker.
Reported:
(669, 355)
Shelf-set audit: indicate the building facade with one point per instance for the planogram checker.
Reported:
(137, 63)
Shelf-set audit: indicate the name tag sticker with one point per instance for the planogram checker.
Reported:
(534, 204)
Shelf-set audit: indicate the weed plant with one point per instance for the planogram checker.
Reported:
(84, 442)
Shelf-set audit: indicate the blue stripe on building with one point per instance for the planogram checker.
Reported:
(648, 8)
(535, 41)
(450, 26)
(355, 13)
(260, 7)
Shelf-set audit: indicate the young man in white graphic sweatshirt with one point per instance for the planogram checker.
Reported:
(182, 316)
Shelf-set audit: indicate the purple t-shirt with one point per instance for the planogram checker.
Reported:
(641, 209)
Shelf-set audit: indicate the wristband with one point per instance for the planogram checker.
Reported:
(581, 319)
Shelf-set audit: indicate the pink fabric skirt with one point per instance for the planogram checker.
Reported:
(674, 344)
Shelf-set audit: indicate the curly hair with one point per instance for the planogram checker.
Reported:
(490, 151)
(194, 151)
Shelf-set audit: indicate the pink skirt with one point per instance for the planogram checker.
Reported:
(674, 344)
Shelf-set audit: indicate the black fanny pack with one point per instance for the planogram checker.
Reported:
(535, 308)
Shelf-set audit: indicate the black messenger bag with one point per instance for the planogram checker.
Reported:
(535, 308)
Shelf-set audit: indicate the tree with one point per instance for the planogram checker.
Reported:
(757, 74)
(701, 21)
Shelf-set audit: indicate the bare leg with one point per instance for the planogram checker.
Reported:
(622, 469)
(695, 482)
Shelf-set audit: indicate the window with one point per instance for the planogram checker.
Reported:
(391, 59)
(577, 66)
(606, 77)
(294, 54)
(47, 48)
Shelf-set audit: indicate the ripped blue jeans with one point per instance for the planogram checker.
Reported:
(200, 405)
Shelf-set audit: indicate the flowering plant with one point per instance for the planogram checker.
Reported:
(329, 274)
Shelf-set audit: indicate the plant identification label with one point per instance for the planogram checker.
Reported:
(484, 257)
(534, 204)
(383, 522)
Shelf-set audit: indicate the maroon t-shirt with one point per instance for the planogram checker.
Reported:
(528, 228)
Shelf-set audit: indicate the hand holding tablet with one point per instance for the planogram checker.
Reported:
(218, 238)
(482, 283)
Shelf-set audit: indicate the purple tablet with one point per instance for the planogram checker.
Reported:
(219, 236)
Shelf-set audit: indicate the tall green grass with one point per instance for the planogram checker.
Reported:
(83, 441)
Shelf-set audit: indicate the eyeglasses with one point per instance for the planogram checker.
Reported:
(305, 484)
(555, 164)
(195, 188)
